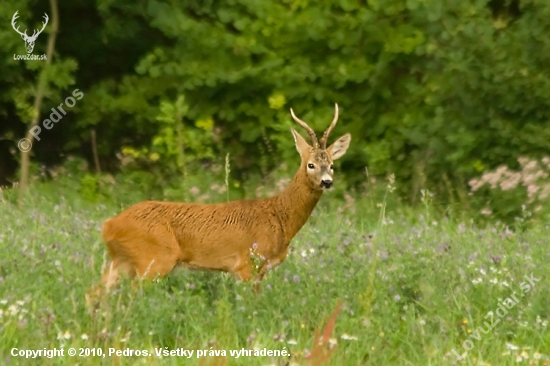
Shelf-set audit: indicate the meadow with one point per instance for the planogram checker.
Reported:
(416, 286)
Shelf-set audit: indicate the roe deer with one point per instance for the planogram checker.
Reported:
(150, 238)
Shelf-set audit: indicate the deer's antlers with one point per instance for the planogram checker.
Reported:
(323, 142)
(329, 129)
(310, 132)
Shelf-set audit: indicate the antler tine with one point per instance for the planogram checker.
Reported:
(329, 129)
(13, 19)
(46, 18)
(310, 132)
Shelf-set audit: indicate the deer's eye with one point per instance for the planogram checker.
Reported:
(311, 166)
(331, 167)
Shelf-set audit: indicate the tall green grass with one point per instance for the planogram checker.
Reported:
(414, 285)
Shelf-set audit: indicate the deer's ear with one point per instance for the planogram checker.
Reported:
(339, 147)
(301, 144)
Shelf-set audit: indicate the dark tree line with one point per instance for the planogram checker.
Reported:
(435, 92)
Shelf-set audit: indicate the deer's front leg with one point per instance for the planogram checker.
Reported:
(266, 266)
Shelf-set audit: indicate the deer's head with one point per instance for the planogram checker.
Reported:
(317, 158)
(29, 40)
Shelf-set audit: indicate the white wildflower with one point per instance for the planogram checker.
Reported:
(348, 337)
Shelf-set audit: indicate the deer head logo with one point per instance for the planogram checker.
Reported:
(29, 40)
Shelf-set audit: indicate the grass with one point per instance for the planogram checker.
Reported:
(413, 287)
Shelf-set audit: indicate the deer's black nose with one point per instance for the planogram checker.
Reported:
(326, 183)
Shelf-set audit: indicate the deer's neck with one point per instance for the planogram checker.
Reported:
(296, 203)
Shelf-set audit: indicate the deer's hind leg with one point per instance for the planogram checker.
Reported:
(151, 255)
(117, 267)
(159, 261)
(139, 254)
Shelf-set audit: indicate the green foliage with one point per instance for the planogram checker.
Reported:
(88, 187)
(168, 144)
(428, 89)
